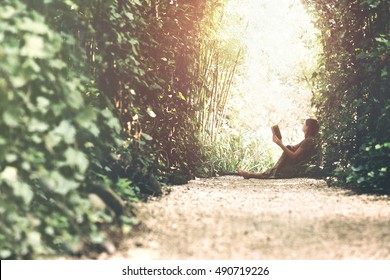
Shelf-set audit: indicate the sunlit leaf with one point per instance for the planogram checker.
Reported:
(18, 81)
(151, 113)
(67, 131)
(10, 118)
(27, 24)
(73, 96)
(52, 139)
(34, 47)
(97, 237)
(181, 96)
(24, 191)
(36, 125)
(43, 104)
(9, 173)
(59, 184)
(147, 137)
(7, 12)
(11, 158)
(77, 159)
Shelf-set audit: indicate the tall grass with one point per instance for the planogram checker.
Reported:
(215, 76)
(231, 149)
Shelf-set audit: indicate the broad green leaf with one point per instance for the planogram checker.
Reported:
(11, 158)
(34, 47)
(26, 166)
(381, 40)
(49, 230)
(64, 132)
(7, 12)
(96, 237)
(37, 126)
(43, 104)
(61, 185)
(112, 122)
(147, 137)
(31, 68)
(29, 25)
(4, 254)
(37, 139)
(76, 159)
(34, 238)
(93, 128)
(57, 64)
(87, 119)
(151, 113)
(18, 81)
(67, 131)
(9, 173)
(73, 96)
(384, 73)
(23, 190)
(129, 15)
(10, 118)
(52, 139)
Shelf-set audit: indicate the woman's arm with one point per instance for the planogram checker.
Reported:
(289, 153)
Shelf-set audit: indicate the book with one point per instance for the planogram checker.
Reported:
(276, 131)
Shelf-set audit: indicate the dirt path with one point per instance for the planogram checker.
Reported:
(232, 218)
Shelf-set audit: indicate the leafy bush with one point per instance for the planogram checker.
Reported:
(370, 170)
(95, 97)
(51, 138)
(352, 85)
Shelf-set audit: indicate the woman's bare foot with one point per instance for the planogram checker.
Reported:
(248, 175)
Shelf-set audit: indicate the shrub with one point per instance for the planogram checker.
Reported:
(51, 139)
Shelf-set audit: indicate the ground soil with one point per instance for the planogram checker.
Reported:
(233, 218)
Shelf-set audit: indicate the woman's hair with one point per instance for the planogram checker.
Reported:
(312, 127)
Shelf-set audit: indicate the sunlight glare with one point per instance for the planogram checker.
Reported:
(280, 50)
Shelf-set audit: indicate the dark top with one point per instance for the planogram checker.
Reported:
(308, 146)
(287, 167)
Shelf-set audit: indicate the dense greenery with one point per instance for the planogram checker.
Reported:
(113, 98)
(50, 137)
(95, 98)
(352, 88)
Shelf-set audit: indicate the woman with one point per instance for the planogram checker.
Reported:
(290, 164)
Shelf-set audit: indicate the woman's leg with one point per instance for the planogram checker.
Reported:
(283, 161)
(248, 175)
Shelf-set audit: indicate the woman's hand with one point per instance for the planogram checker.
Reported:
(276, 140)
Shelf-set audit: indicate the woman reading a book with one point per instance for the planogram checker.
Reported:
(293, 158)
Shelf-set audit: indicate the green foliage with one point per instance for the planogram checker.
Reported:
(370, 170)
(352, 86)
(141, 59)
(171, 57)
(91, 93)
(52, 140)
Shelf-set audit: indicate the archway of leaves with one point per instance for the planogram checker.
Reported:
(110, 97)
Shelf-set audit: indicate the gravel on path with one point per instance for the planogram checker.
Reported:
(232, 218)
